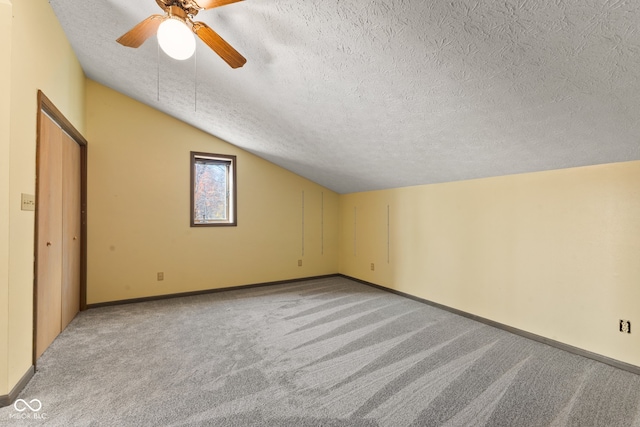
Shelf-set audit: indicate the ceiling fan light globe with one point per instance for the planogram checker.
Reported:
(176, 39)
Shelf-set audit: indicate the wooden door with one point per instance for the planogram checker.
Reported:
(71, 229)
(49, 243)
(59, 237)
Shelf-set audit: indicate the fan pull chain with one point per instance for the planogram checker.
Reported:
(195, 80)
(158, 70)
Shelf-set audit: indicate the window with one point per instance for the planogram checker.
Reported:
(213, 189)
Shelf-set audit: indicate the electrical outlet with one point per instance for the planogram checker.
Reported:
(299, 263)
(373, 267)
(625, 326)
(160, 276)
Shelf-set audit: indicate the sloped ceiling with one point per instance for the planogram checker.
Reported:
(362, 95)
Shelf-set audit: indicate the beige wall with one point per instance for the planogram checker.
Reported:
(5, 108)
(41, 58)
(138, 223)
(553, 253)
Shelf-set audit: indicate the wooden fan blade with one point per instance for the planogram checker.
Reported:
(141, 32)
(210, 4)
(219, 46)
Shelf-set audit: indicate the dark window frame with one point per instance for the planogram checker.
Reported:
(232, 221)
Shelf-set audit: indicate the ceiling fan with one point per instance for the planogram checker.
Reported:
(174, 31)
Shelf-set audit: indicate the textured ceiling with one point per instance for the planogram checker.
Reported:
(362, 95)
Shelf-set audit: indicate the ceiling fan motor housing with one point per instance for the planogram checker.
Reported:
(187, 7)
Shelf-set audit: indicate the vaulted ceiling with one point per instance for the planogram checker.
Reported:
(361, 95)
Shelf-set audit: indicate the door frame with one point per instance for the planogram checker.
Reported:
(45, 105)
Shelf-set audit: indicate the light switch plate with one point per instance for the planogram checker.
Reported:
(28, 202)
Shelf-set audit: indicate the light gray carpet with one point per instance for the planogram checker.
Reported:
(326, 352)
